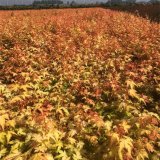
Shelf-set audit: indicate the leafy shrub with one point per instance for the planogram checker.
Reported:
(79, 84)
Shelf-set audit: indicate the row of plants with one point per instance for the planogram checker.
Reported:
(79, 84)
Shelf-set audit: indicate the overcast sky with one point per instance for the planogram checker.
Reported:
(11, 2)
(27, 2)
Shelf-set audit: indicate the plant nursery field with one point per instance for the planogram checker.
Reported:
(79, 84)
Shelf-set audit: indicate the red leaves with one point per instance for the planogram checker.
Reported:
(41, 113)
(98, 93)
(148, 120)
(154, 135)
(120, 130)
(90, 101)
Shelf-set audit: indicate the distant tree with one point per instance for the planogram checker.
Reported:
(154, 1)
(73, 3)
(68, 3)
(47, 2)
(131, 1)
(115, 2)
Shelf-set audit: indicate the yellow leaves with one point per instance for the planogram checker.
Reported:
(55, 135)
(64, 88)
(25, 87)
(21, 132)
(3, 119)
(125, 126)
(144, 132)
(13, 156)
(71, 140)
(49, 156)
(92, 139)
(4, 91)
(16, 147)
(38, 156)
(80, 144)
(58, 145)
(114, 138)
(9, 135)
(14, 87)
(11, 123)
(125, 107)
(22, 96)
(154, 115)
(108, 125)
(131, 84)
(37, 138)
(3, 138)
(15, 99)
(149, 147)
(41, 148)
(142, 155)
(110, 63)
(25, 95)
(62, 111)
(125, 143)
(62, 155)
(2, 122)
(2, 88)
(3, 152)
(77, 156)
(133, 93)
(72, 133)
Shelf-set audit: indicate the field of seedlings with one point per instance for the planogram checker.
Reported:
(79, 84)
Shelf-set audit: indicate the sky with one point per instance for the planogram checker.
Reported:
(12, 2)
(27, 2)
